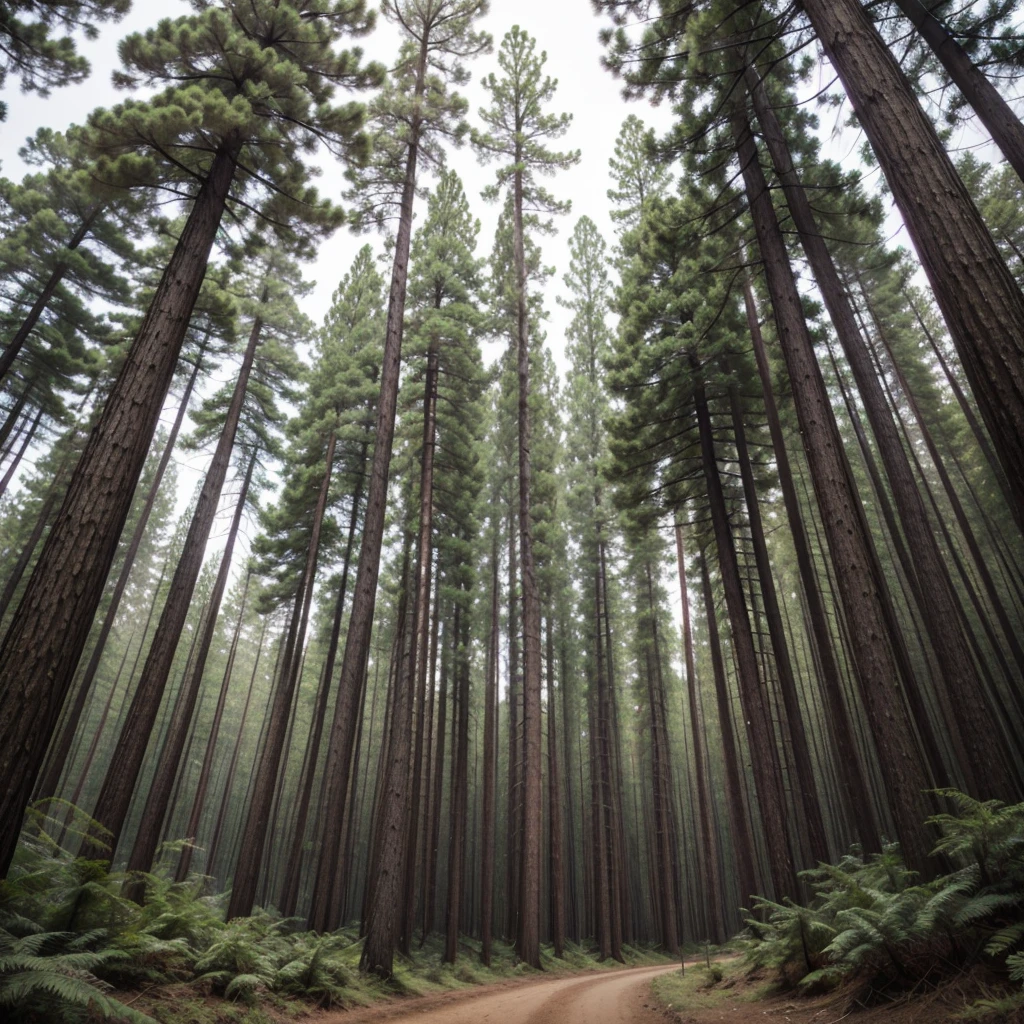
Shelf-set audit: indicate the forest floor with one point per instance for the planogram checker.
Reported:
(743, 997)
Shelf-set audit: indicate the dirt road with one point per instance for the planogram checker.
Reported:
(618, 997)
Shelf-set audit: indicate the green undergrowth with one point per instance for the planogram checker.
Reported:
(74, 949)
(874, 928)
(706, 987)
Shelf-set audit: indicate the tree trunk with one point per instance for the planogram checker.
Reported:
(739, 825)
(460, 784)
(490, 765)
(327, 899)
(979, 298)
(993, 111)
(706, 827)
(268, 765)
(528, 932)
(30, 434)
(863, 602)
(929, 578)
(557, 865)
(39, 653)
(122, 774)
(51, 777)
(764, 751)
(56, 276)
(206, 771)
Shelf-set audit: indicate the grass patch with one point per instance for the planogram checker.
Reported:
(704, 988)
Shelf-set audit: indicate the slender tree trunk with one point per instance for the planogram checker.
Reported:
(764, 751)
(979, 298)
(25, 556)
(528, 932)
(557, 864)
(158, 802)
(118, 785)
(514, 801)
(51, 777)
(327, 900)
(490, 765)
(30, 434)
(56, 276)
(739, 825)
(269, 761)
(434, 829)
(206, 771)
(12, 418)
(708, 838)
(993, 111)
(863, 602)
(460, 784)
(420, 653)
(44, 642)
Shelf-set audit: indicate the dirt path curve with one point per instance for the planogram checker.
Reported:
(615, 997)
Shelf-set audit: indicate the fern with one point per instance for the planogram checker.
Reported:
(1016, 965)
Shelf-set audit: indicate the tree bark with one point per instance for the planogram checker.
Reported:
(979, 298)
(51, 777)
(528, 932)
(30, 434)
(268, 765)
(557, 864)
(158, 802)
(863, 602)
(39, 653)
(490, 765)
(122, 774)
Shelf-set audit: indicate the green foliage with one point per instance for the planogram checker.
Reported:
(871, 918)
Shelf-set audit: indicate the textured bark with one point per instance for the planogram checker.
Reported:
(269, 759)
(930, 582)
(490, 765)
(862, 600)
(327, 899)
(514, 797)
(708, 839)
(742, 840)
(158, 801)
(51, 777)
(42, 647)
(437, 781)
(979, 298)
(206, 771)
(119, 783)
(528, 932)
(42, 301)
(753, 698)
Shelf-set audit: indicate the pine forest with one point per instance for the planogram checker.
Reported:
(511, 511)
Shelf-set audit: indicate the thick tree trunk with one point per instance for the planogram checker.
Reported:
(979, 298)
(158, 801)
(528, 932)
(848, 760)
(42, 647)
(57, 758)
(269, 761)
(929, 578)
(863, 602)
(764, 751)
(119, 783)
